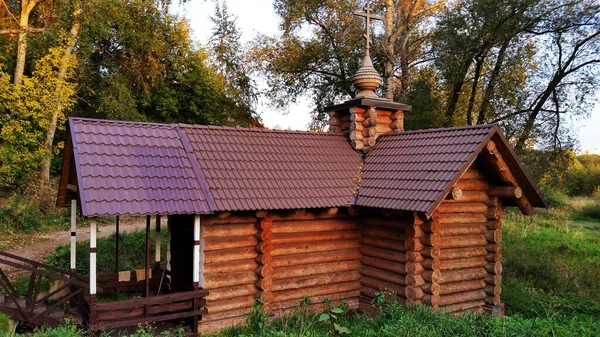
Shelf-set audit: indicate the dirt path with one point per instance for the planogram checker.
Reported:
(37, 246)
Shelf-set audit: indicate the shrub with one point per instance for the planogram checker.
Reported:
(591, 210)
(555, 197)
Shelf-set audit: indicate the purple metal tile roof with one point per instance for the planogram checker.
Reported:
(252, 169)
(414, 170)
(126, 168)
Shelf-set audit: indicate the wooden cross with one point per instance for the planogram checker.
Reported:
(368, 15)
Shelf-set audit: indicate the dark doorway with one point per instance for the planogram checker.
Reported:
(182, 252)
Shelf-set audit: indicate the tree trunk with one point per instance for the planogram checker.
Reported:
(26, 7)
(458, 84)
(389, 50)
(489, 91)
(404, 65)
(479, 60)
(62, 74)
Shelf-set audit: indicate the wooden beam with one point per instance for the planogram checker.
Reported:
(157, 244)
(196, 260)
(508, 192)
(93, 256)
(73, 235)
(500, 165)
(117, 256)
(455, 194)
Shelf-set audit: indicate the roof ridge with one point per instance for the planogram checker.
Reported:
(116, 121)
(453, 128)
(225, 127)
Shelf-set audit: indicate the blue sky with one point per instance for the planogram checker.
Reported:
(257, 16)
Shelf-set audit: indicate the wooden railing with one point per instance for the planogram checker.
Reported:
(118, 314)
(36, 307)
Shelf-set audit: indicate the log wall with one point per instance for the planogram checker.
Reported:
(230, 265)
(385, 263)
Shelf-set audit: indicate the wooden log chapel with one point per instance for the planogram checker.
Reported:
(281, 215)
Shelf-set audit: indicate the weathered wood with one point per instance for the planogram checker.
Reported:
(493, 224)
(229, 266)
(492, 300)
(223, 215)
(264, 259)
(316, 280)
(461, 275)
(383, 275)
(414, 293)
(358, 144)
(472, 185)
(463, 229)
(262, 213)
(414, 244)
(285, 238)
(464, 207)
(397, 125)
(465, 306)
(398, 223)
(461, 286)
(243, 229)
(383, 232)
(264, 247)
(314, 269)
(297, 248)
(369, 123)
(370, 141)
(357, 126)
(493, 279)
(265, 224)
(230, 292)
(229, 242)
(454, 194)
(264, 271)
(473, 174)
(229, 279)
(433, 239)
(432, 264)
(395, 115)
(415, 280)
(462, 297)
(414, 257)
(494, 248)
(414, 268)
(508, 192)
(302, 214)
(286, 295)
(431, 288)
(385, 254)
(493, 213)
(494, 236)
(264, 283)
(383, 243)
(384, 264)
(317, 257)
(226, 314)
(357, 117)
(493, 290)
(462, 241)
(230, 304)
(432, 226)
(470, 196)
(471, 262)
(382, 285)
(462, 218)
(431, 252)
(356, 136)
(415, 232)
(432, 276)
(493, 257)
(494, 268)
(316, 300)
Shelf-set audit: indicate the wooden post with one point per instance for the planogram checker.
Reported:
(147, 267)
(157, 245)
(117, 257)
(73, 235)
(197, 268)
(92, 272)
(168, 262)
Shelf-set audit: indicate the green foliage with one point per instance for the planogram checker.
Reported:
(583, 178)
(21, 215)
(67, 329)
(555, 197)
(591, 210)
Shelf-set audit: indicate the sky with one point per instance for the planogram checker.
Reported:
(258, 16)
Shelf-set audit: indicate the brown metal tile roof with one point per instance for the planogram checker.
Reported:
(126, 168)
(414, 170)
(252, 169)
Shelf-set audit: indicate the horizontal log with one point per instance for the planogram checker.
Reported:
(264, 235)
(461, 286)
(262, 213)
(454, 194)
(397, 222)
(244, 229)
(464, 306)
(210, 220)
(493, 257)
(303, 214)
(229, 242)
(462, 241)
(368, 132)
(442, 300)
(383, 275)
(356, 136)
(383, 232)
(494, 213)
(493, 290)
(414, 257)
(463, 207)
(431, 288)
(461, 253)
(432, 276)
(414, 280)
(264, 271)
(414, 268)
(431, 252)
(310, 226)
(432, 226)
(493, 279)
(415, 232)
(493, 224)
(382, 285)
(385, 254)
(229, 279)
(494, 268)
(508, 192)
(413, 293)
(229, 314)
(309, 258)
(369, 123)
(265, 283)
(462, 218)
(383, 128)
(356, 126)
(266, 224)
(494, 248)
(470, 196)
(297, 248)
(230, 304)
(471, 262)
(286, 295)
(317, 300)
(463, 229)
(414, 245)
(357, 117)
(397, 125)
(431, 264)
(232, 254)
(472, 185)
(383, 243)
(335, 129)
(313, 237)
(264, 259)
(432, 239)
(461, 275)
(494, 236)
(473, 174)
(384, 264)
(264, 247)
(396, 115)
(229, 266)
(492, 300)
(316, 280)
(314, 269)
(358, 144)
(230, 292)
